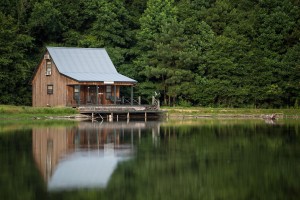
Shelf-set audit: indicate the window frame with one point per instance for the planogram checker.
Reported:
(48, 67)
(50, 89)
(108, 91)
(76, 93)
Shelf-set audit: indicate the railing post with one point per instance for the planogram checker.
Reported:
(131, 99)
(139, 99)
(115, 94)
(79, 88)
(153, 100)
(97, 95)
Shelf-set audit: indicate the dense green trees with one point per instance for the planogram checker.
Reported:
(193, 52)
(15, 64)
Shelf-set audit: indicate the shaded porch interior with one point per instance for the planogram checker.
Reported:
(99, 94)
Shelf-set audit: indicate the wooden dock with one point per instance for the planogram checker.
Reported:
(122, 112)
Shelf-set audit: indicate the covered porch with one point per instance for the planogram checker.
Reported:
(101, 94)
(107, 100)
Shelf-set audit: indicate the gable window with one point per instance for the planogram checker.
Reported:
(49, 89)
(48, 67)
(108, 91)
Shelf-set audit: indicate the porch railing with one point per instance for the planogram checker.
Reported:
(123, 105)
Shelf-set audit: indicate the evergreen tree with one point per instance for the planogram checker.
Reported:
(15, 66)
(157, 14)
(46, 23)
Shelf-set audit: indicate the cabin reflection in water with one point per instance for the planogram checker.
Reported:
(84, 156)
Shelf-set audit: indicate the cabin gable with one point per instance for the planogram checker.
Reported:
(49, 87)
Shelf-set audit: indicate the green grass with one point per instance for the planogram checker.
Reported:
(201, 111)
(24, 112)
(9, 111)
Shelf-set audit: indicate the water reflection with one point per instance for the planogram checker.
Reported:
(197, 159)
(86, 155)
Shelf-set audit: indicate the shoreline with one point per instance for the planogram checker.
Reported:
(229, 116)
(8, 112)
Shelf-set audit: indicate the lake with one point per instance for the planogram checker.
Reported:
(193, 159)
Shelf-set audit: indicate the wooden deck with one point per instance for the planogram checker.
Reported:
(122, 112)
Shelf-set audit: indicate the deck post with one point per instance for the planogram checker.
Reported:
(96, 95)
(115, 94)
(131, 96)
(79, 95)
(145, 116)
(128, 117)
(139, 100)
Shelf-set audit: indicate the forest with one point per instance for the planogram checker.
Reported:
(211, 53)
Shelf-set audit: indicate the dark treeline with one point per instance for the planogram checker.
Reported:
(233, 53)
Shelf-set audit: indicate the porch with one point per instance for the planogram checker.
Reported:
(99, 94)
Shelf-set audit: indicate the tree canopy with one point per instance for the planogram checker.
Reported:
(232, 53)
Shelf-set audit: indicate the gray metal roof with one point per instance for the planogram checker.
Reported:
(86, 64)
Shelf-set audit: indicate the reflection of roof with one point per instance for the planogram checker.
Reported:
(86, 64)
(85, 169)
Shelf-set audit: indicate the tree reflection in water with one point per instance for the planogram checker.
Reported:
(201, 159)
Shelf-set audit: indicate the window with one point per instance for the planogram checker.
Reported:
(76, 92)
(108, 91)
(49, 89)
(48, 68)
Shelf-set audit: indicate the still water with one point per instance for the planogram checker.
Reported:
(201, 159)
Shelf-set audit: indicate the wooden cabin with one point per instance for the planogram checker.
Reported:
(77, 76)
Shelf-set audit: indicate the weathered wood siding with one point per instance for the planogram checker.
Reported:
(39, 87)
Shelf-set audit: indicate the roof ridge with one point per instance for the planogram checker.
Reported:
(91, 48)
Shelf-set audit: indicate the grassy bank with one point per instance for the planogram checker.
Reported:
(17, 112)
(229, 112)
(27, 112)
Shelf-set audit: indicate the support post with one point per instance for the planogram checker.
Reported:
(112, 117)
(115, 94)
(127, 117)
(139, 100)
(96, 95)
(79, 95)
(145, 116)
(131, 98)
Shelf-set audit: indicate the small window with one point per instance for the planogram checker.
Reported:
(108, 91)
(49, 89)
(48, 68)
(76, 92)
